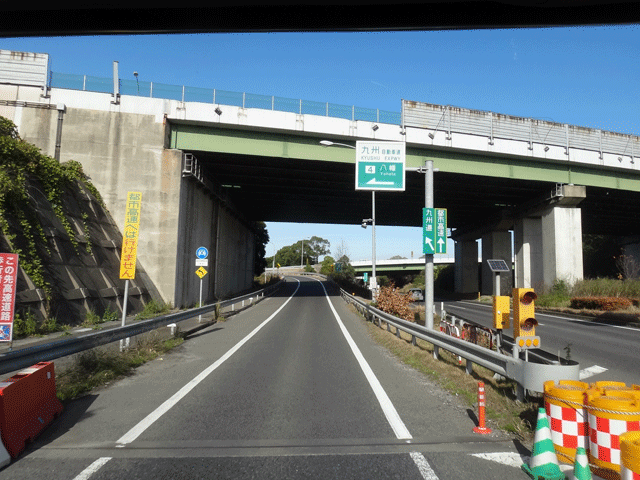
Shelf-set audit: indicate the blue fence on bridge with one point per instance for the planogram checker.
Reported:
(223, 97)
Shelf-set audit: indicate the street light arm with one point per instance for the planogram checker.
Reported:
(329, 143)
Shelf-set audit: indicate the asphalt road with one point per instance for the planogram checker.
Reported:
(604, 351)
(292, 387)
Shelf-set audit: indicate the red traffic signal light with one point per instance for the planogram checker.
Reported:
(528, 297)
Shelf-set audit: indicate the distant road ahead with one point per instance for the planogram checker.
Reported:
(292, 387)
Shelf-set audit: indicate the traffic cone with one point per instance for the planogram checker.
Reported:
(544, 461)
(581, 470)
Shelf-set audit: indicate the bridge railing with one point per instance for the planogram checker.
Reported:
(449, 120)
(184, 93)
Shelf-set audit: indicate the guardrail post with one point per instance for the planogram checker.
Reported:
(469, 367)
(413, 340)
(519, 388)
(398, 332)
(436, 352)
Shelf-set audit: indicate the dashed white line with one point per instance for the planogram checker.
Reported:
(93, 468)
(145, 423)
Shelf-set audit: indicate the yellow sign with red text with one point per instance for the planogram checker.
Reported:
(130, 236)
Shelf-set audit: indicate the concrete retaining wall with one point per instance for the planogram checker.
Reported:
(123, 151)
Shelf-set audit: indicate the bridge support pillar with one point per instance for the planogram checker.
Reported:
(466, 266)
(549, 248)
(562, 245)
(528, 252)
(497, 245)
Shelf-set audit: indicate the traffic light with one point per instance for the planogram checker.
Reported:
(501, 312)
(524, 321)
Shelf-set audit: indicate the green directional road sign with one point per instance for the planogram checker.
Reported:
(380, 165)
(434, 230)
(428, 231)
(441, 230)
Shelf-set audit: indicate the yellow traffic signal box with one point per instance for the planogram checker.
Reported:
(524, 315)
(501, 312)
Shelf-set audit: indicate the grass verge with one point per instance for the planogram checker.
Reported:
(502, 410)
(99, 366)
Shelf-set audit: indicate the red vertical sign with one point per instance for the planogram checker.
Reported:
(8, 286)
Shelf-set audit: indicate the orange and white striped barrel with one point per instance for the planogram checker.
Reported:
(565, 407)
(609, 417)
(630, 456)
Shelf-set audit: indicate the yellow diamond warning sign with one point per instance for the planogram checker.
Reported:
(201, 272)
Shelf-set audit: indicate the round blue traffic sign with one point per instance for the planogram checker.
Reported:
(202, 252)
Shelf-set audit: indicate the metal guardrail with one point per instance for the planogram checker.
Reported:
(529, 375)
(26, 357)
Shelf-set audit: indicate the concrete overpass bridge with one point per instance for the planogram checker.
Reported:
(209, 163)
(398, 266)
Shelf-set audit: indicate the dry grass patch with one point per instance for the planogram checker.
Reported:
(502, 410)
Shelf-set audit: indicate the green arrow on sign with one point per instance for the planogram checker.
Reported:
(428, 231)
(441, 230)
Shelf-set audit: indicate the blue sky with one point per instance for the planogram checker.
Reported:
(588, 76)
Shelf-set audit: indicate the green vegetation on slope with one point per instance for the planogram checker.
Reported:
(25, 171)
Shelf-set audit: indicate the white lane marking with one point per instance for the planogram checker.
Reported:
(398, 426)
(591, 371)
(137, 430)
(424, 467)
(512, 459)
(385, 402)
(93, 468)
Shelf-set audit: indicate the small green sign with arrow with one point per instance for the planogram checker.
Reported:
(434, 230)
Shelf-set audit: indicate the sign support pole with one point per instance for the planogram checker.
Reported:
(124, 342)
(374, 282)
(428, 259)
(200, 303)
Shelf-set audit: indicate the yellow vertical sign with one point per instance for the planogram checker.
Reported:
(130, 236)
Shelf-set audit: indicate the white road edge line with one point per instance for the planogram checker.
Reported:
(398, 426)
(93, 468)
(137, 430)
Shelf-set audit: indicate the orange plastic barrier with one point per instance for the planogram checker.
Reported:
(611, 415)
(28, 403)
(564, 404)
(630, 455)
